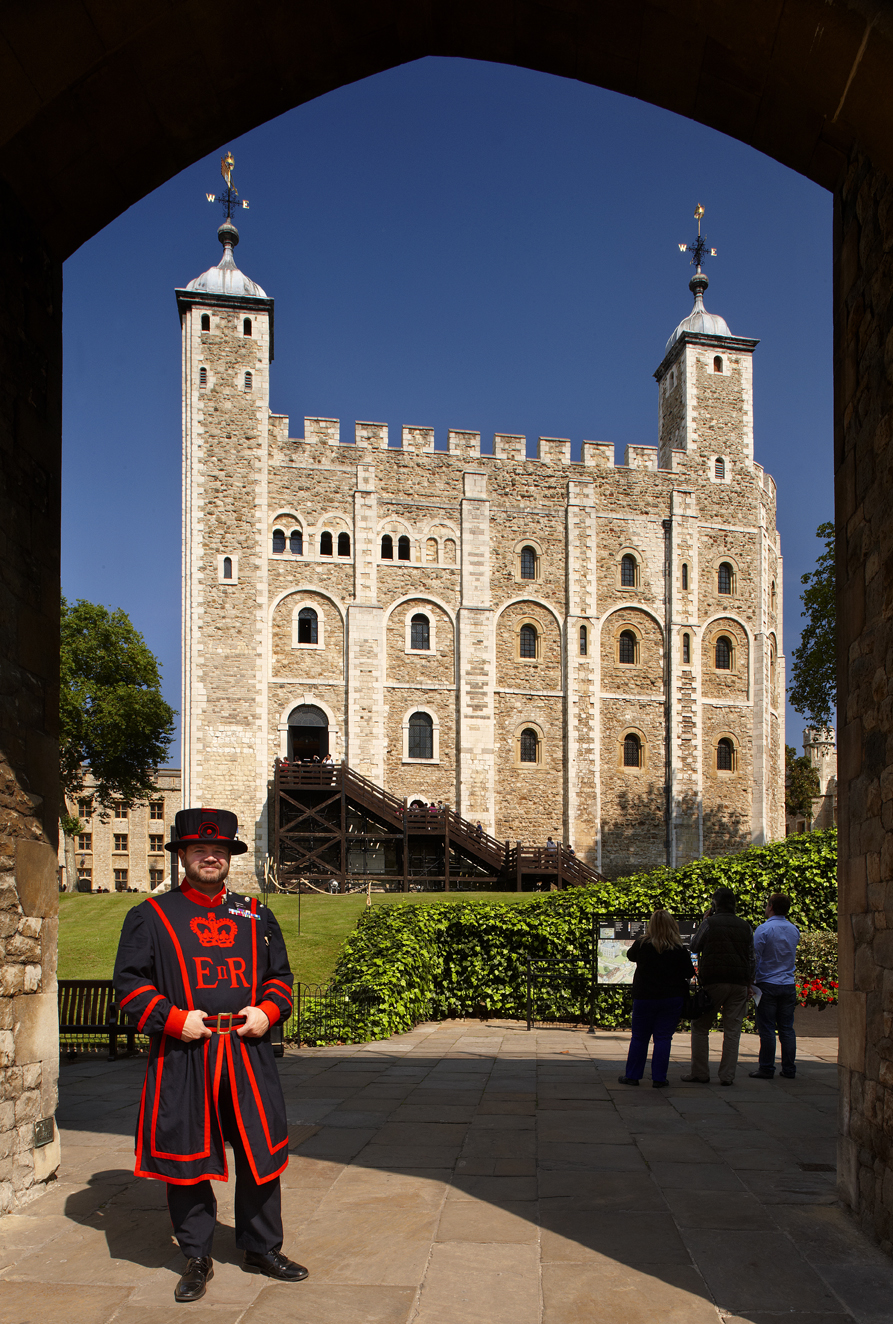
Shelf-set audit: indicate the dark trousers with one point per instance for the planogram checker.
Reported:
(775, 1015)
(193, 1209)
(655, 1018)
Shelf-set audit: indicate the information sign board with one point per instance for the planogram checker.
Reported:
(615, 934)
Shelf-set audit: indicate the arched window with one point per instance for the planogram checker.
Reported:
(431, 551)
(246, 326)
(249, 382)
(527, 641)
(628, 571)
(308, 626)
(421, 736)
(403, 548)
(529, 746)
(774, 596)
(723, 653)
(387, 547)
(717, 363)
(278, 540)
(296, 542)
(449, 551)
(420, 632)
(719, 469)
(632, 751)
(203, 376)
(206, 322)
(325, 544)
(584, 641)
(227, 567)
(528, 563)
(724, 578)
(344, 544)
(725, 755)
(686, 650)
(628, 647)
(684, 577)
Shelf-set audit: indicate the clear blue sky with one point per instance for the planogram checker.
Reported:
(453, 244)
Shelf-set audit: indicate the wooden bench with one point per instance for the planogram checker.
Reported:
(87, 1006)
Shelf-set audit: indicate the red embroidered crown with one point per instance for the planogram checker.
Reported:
(214, 932)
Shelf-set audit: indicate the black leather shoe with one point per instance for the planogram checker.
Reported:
(761, 1075)
(199, 1272)
(274, 1265)
(659, 1084)
(696, 1080)
(627, 1080)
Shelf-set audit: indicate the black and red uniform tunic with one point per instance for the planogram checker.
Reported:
(185, 951)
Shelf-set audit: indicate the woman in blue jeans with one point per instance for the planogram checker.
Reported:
(663, 970)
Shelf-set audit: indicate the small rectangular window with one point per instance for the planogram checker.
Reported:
(156, 876)
(121, 841)
(686, 650)
(584, 641)
(85, 808)
(156, 809)
(120, 880)
(120, 809)
(685, 578)
(156, 843)
(85, 841)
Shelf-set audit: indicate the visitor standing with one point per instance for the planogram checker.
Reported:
(724, 945)
(775, 946)
(663, 971)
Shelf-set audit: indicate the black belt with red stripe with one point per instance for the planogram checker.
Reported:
(224, 1022)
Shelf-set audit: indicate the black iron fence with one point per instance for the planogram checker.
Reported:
(326, 1015)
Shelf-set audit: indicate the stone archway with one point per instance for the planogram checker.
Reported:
(99, 104)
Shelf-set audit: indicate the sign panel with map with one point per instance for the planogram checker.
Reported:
(613, 938)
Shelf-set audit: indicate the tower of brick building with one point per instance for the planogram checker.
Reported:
(574, 649)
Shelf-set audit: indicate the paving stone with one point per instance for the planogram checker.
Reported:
(603, 1291)
(675, 1149)
(474, 1284)
(337, 1142)
(791, 1187)
(698, 1177)
(498, 1190)
(330, 1303)
(745, 1272)
(718, 1209)
(624, 1156)
(576, 1233)
(364, 1243)
(55, 1303)
(606, 1189)
(480, 1221)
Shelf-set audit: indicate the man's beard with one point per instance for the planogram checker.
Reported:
(193, 875)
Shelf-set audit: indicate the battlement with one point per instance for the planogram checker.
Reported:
(463, 443)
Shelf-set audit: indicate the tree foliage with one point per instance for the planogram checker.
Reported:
(404, 964)
(801, 783)
(813, 689)
(112, 715)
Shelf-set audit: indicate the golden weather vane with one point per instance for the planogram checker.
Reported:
(698, 249)
(229, 199)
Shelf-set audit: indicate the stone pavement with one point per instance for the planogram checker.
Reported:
(472, 1173)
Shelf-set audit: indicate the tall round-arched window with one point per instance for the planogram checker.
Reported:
(717, 363)
(684, 577)
(431, 551)
(632, 751)
(723, 653)
(344, 544)
(296, 542)
(246, 326)
(249, 381)
(206, 321)
(584, 641)
(227, 567)
(325, 544)
(387, 547)
(686, 650)
(528, 563)
(203, 377)
(421, 736)
(527, 641)
(628, 568)
(420, 632)
(725, 577)
(725, 755)
(403, 548)
(627, 647)
(719, 469)
(529, 746)
(449, 551)
(308, 626)
(278, 540)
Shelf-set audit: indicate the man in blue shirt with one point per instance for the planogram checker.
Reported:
(775, 945)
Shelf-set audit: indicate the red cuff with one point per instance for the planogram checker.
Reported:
(270, 1010)
(175, 1022)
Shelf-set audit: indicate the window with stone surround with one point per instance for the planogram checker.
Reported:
(120, 880)
(632, 750)
(717, 363)
(719, 470)
(121, 810)
(584, 641)
(206, 322)
(628, 648)
(308, 626)
(528, 641)
(85, 876)
(156, 843)
(296, 542)
(246, 326)
(449, 551)
(773, 597)
(120, 841)
(431, 551)
(156, 877)
(420, 633)
(629, 571)
(421, 736)
(278, 541)
(202, 378)
(725, 578)
(684, 577)
(156, 809)
(403, 548)
(344, 544)
(227, 567)
(85, 808)
(325, 544)
(85, 841)
(686, 650)
(529, 746)
(249, 381)
(387, 547)
(726, 755)
(528, 563)
(724, 653)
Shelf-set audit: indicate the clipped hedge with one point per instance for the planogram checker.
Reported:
(413, 963)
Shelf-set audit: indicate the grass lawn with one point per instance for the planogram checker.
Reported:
(89, 927)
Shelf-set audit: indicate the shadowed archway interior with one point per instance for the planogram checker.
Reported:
(101, 103)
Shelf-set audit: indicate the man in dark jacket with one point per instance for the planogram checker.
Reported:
(726, 966)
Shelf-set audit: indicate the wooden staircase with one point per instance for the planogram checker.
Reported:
(332, 825)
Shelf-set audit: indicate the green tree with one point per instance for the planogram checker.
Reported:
(112, 715)
(801, 783)
(813, 689)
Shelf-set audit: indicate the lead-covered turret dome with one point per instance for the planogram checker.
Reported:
(699, 321)
(226, 278)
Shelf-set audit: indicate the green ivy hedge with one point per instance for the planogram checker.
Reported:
(414, 963)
